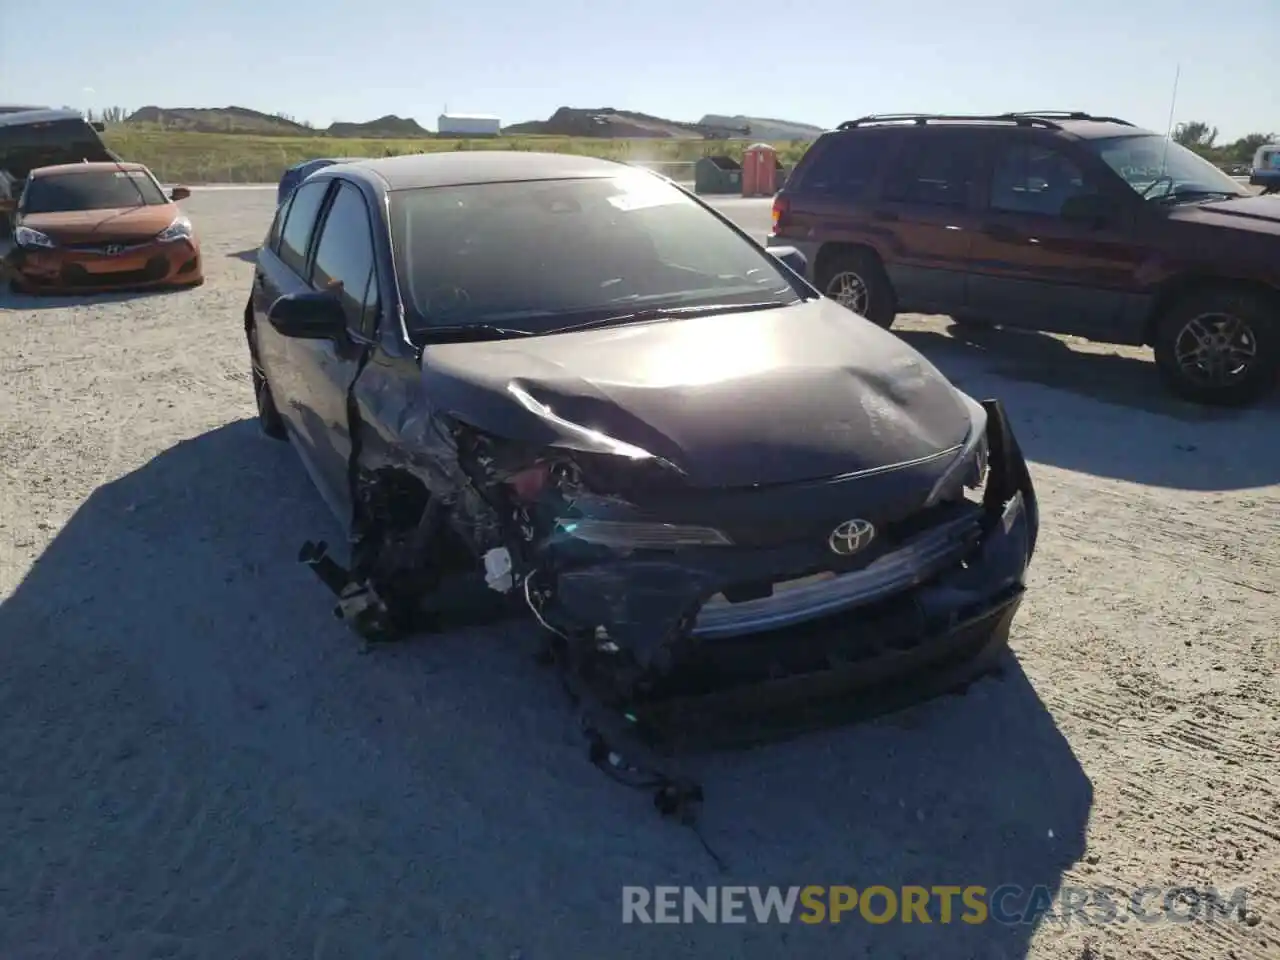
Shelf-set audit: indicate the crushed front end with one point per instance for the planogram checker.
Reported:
(778, 605)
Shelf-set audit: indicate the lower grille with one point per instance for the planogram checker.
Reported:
(912, 562)
(75, 275)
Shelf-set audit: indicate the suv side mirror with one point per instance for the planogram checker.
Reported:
(313, 315)
(1087, 208)
(793, 258)
(179, 193)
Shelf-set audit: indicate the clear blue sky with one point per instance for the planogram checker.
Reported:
(820, 61)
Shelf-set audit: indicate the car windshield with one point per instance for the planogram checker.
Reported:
(1156, 167)
(91, 190)
(534, 256)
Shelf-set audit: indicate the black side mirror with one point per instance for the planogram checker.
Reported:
(1090, 208)
(314, 315)
(793, 258)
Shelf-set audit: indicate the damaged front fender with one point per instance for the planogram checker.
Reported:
(664, 611)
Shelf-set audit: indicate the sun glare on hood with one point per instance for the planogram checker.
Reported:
(706, 351)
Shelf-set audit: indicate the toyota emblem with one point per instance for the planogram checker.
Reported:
(113, 248)
(851, 537)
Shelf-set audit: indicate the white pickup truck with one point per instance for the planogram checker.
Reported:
(1266, 168)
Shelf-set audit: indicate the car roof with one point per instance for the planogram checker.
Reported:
(1097, 129)
(20, 118)
(1083, 129)
(462, 167)
(325, 160)
(96, 167)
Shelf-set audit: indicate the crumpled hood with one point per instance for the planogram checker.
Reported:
(129, 224)
(773, 396)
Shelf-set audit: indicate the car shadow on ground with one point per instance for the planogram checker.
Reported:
(245, 256)
(454, 767)
(59, 301)
(1103, 413)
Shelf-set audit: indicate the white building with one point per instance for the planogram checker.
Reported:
(468, 125)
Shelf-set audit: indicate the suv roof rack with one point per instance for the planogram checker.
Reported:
(1048, 119)
(1070, 115)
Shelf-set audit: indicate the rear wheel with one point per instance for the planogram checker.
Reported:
(856, 279)
(269, 419)
(1219, 347)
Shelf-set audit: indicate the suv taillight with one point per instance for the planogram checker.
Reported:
(781, 207)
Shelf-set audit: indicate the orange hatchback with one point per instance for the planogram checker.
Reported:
(83, 227)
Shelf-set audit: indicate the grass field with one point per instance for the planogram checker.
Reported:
(185, 157)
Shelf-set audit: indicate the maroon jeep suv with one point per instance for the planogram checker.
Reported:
(1054, 221)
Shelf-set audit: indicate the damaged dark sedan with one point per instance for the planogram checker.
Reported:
(570, 386)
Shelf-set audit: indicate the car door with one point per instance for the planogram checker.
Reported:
(342, 262)
(1057, 249)
(282, 267)
(926, 216)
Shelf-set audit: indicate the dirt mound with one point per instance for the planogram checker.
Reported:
(220, 120)
(388, 126)
(606, 122)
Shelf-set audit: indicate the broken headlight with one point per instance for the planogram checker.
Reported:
(597, 503)
(640, 535)
(180, 229)
(969, 468)
(26, 237)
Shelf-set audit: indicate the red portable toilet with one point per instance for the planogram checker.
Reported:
(759, 171)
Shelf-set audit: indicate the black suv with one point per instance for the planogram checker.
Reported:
(33, 137)
(1055, 221)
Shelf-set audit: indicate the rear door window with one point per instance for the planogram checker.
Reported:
(845, 166)
(344, 258)
(933, 168)
(298, 224)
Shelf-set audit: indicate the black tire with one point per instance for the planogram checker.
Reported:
(1239, 366)
(836, 273)
(269, 420)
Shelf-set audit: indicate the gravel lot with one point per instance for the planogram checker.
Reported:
(198, 761)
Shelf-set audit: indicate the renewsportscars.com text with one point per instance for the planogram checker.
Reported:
(970, 904)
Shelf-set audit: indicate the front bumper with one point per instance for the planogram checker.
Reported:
(91, 269)
(922, 616)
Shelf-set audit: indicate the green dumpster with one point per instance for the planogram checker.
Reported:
(717, 175)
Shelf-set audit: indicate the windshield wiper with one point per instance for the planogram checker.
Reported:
(1177, 195)
(666, 313)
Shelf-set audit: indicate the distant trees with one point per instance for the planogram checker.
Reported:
(1202, 138)
(107, 114)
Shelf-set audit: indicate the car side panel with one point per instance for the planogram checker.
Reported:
(326, 369)
(923, 247)
(278, 355)
(1046, 274)
(1043, 272)
(272, 280)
